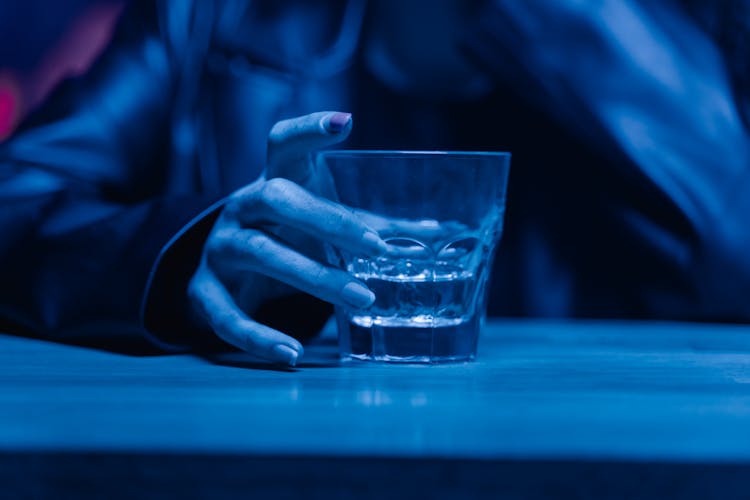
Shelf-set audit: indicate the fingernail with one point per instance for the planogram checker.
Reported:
(375, 242)
(358, 295)
(285, 354)
(338, 122)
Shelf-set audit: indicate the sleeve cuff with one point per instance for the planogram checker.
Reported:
(165, 311)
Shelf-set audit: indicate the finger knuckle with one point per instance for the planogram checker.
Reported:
(321, 276)
(250, 342)
(255, 241)
(194, 290)
(243, 334)
(278, 132)
(220, 243)
(243, 200)
(276, 192)
(341, 220)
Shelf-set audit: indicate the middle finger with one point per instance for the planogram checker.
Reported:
(280, 201)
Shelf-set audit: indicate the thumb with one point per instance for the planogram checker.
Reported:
(290, 142)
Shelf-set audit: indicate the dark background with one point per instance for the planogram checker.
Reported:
(44, 41)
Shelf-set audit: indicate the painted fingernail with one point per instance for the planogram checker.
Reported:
(358, 295)
(375, 242)
(285, 354)
(338, 122)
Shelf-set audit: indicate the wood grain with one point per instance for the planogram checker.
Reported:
(672, 395)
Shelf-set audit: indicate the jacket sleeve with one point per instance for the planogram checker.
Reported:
(650, 89)
(84, 209)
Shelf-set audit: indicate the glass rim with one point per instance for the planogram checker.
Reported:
(405, 153)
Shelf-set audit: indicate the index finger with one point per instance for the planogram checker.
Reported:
(290, 141)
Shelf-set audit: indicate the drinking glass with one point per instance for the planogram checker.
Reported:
(441, 214)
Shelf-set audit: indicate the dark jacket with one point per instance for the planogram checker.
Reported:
(629, 192)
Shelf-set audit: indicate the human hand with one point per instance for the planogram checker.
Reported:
(269, 238)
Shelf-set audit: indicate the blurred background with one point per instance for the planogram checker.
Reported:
(44, 41)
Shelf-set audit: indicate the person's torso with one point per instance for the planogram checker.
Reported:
(562, 254)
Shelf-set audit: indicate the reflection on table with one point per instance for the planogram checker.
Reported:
(560, 408)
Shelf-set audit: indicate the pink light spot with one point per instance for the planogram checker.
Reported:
(10, 104)
(76, 50)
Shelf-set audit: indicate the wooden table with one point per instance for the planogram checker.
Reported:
(549, 410)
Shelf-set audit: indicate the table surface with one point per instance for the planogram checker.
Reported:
(544, 391)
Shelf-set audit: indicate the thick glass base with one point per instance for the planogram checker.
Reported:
(420, 339)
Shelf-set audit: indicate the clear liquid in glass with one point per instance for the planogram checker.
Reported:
(420, 315)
